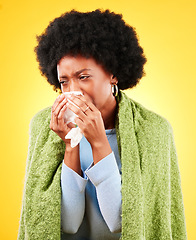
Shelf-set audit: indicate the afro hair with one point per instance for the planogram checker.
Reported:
(102, 35)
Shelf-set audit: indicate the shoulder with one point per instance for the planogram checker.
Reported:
(152, 130)
(40, 119)
(152, 126)
(42, 114)
(148, 121)
(147, 116)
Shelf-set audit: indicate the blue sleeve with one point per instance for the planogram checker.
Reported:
(73, 199)
(106, 178)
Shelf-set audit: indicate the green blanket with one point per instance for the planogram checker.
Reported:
(152, 204)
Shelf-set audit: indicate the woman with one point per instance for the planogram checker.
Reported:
(122, 179)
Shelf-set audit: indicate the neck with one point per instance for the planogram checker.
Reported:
(109, 114)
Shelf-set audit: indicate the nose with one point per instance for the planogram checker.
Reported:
(74, 85)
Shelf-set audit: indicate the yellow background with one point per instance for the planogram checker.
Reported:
(167, 33)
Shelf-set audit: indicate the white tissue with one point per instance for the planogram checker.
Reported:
(69, 116)
(75, 133)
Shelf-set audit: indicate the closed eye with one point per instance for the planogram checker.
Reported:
(83, 77)
(63, 82)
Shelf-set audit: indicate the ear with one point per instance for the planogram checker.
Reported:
(114, 80)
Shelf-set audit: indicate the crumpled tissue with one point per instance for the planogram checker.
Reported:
(74, 134)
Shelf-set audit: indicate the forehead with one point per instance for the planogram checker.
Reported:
(75, 62)
(72, 64)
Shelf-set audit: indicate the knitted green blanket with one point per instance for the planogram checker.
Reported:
(152, 205)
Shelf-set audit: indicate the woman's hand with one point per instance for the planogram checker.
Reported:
(57, 123)
(90, 122)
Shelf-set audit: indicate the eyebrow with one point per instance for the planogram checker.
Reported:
(76, 73)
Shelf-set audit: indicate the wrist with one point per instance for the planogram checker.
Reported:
(100, 150)
(72, 158)
(69, 149)
(100, 143)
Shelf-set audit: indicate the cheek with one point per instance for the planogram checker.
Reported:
(88, 91)
(100, 94)
(104, 89)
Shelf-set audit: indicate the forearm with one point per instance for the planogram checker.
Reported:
(107, 180)
(73, 200)
(100, 150)
(72, 158)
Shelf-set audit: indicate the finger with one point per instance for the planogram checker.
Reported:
(78, 102)
(59, 103)
(76, 110)
(55, 103)
(54, 122)
(61, 122)
(79, 123)
(87, 110)
(71, 125)
(59, 99)
(59, 107)
(87, 101)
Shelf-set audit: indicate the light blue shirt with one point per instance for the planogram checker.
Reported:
(91, 205)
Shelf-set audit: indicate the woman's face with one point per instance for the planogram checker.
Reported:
(85, 75)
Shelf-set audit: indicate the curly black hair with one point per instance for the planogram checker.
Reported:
(102, 35)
